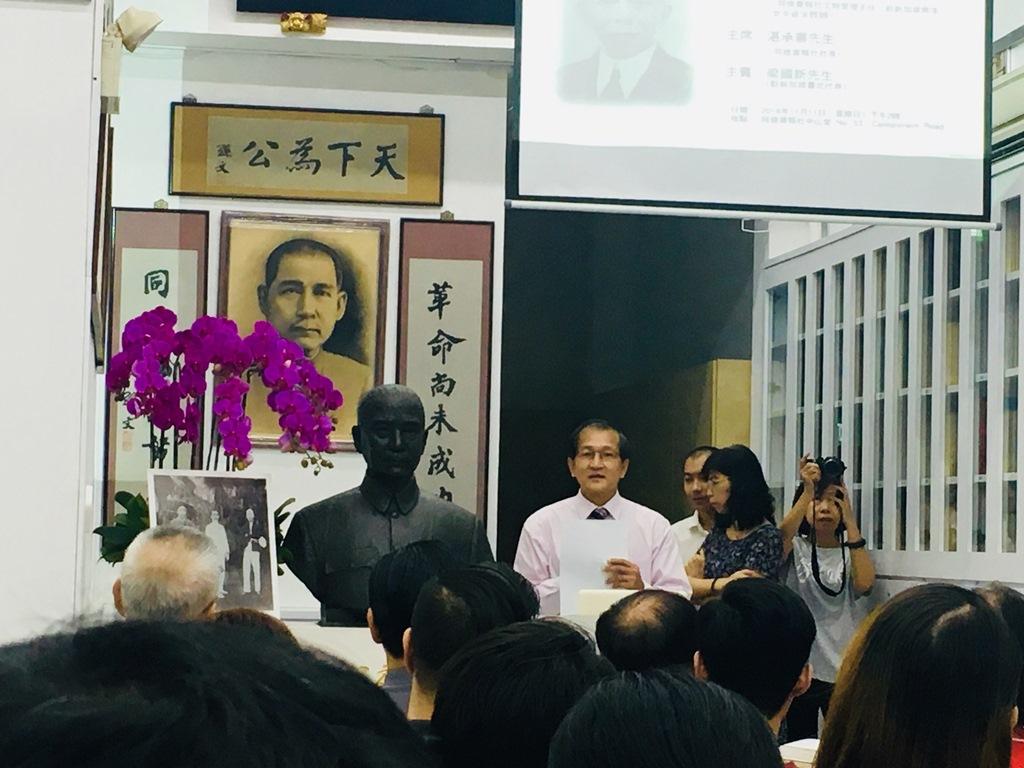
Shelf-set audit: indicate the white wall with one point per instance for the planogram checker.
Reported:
(1009, 16)
(48, 157)
(471, 96)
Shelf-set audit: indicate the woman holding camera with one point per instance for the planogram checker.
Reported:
(833, 573)
(745, 541)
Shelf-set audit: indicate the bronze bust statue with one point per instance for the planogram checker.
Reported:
(336, 542)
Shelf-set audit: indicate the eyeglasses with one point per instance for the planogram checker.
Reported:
(588, 455)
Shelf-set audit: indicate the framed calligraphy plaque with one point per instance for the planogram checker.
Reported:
(160, 259)
(322, 282)
(451, 11)
(444, 350)
(392, 158)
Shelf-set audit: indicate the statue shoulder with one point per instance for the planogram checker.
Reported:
(446, 509)
(332, 505)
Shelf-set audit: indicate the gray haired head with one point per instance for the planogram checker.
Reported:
(170, 572)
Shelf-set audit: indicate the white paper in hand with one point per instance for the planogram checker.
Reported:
(586, 546)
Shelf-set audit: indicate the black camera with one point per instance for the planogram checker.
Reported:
(832, 469)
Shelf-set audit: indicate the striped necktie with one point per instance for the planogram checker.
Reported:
(599, 514)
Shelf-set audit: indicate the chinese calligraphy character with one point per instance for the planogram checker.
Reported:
(222, 167)
(439, 421)
(440, 300)
(259, 158)
(384, 159)
(346, 156)
(442, 384)
(440, 462)
(157, 281)
(223, 150)
(301, 161)
(445, 494)
(442, 344)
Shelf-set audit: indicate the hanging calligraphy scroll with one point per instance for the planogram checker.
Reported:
(444, 350)
(220, 150)
(160, 259)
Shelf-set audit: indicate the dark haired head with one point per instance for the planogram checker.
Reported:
(302, 245)
(750, 501)
(503, 695)
(459, 605)
(1010, 604)
(395, 583)
(755, 639)
(574, 438)
(929, 680)
(700, 450)
(138, 695)
(255, 620)
(648, 629)
(656, 719)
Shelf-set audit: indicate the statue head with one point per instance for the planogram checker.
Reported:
(390, 432)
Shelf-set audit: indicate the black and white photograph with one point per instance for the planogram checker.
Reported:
(321, 283)
(625, 52)
(231, 509)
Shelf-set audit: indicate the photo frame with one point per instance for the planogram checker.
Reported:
(444, 350)
(287, 153)
(218, 504)
(342, 333)
(160, 258)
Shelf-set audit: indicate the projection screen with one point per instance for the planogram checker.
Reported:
(871, 108)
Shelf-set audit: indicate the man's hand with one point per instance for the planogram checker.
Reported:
(744, 573)
(695, 565)
(622, 574)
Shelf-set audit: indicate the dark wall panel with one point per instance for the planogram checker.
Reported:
(456, 11)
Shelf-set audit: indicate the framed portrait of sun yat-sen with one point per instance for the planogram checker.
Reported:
(322, 283)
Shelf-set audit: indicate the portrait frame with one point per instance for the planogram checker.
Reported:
(199, 164)
(364, 247)
(230, 494)
(146, 234)
(459, 244)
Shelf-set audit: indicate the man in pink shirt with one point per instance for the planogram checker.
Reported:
(598, 459)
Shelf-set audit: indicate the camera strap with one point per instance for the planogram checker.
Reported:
(816, 567)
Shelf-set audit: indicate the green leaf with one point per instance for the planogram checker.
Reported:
(121, 519)
(123, 498)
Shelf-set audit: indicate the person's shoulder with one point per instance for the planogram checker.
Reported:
(685, 524)
(336, 366)
(545, 515)
(669, 65)
(768, 532)
(648, 515)
(578, 79)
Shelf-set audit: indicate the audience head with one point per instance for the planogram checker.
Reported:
(457, 606)
(755, 640)
(504, 694)
(598, 458)
(141, 694)
(1010, 604)
(257, 621)
(930, 680)
(395, 583)
(695, 485)
(656, 719)
(169, 572)
(648, 629)
(737, 490)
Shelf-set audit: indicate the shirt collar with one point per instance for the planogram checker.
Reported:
(584, 506)
(380, 497)
(630, 70)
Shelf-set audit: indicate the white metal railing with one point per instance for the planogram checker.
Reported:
(899, 349)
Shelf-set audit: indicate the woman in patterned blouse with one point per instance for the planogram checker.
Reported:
(745, 541)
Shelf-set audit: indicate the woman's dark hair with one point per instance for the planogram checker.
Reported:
(504, 694)
(656, 719)
(928, 682)
(750, 501)
(1010, 604)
